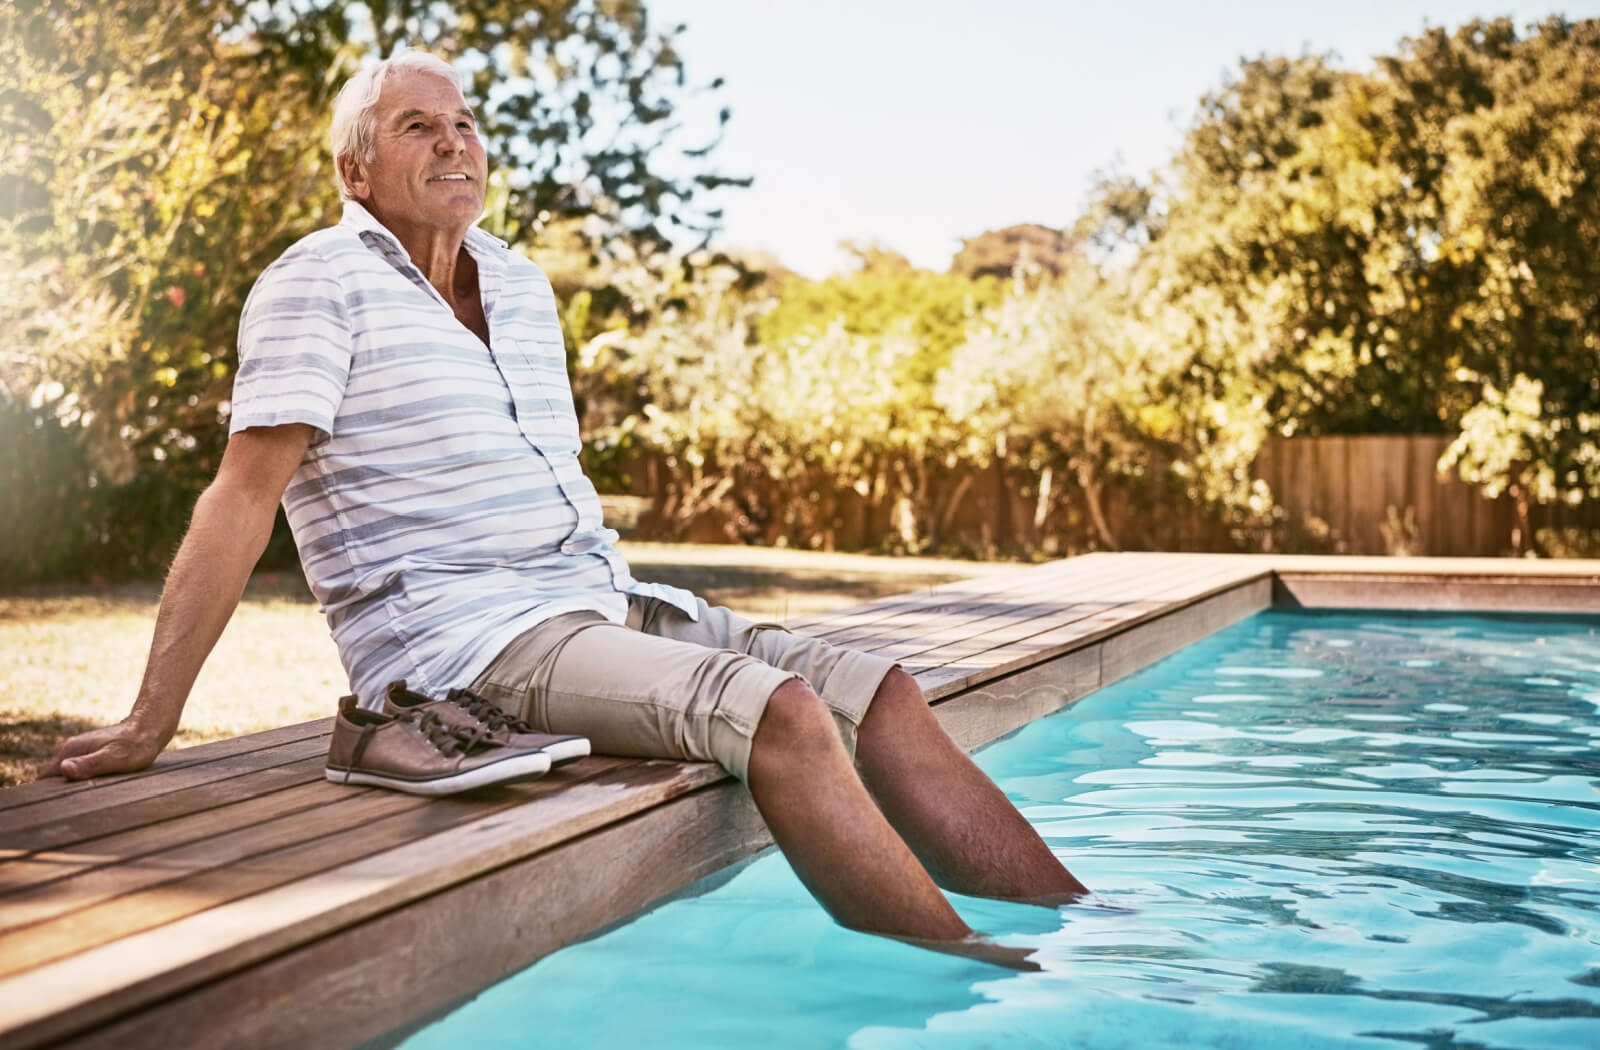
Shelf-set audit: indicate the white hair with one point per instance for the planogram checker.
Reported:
(354, 123)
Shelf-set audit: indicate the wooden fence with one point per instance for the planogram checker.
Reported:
(1375, 494)
(1369, 494)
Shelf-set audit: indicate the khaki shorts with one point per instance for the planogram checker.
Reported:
(666, 686)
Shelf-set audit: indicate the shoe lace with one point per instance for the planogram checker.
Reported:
(447, 738)
(487, 711)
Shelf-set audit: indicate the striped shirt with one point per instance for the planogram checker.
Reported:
(440, 510)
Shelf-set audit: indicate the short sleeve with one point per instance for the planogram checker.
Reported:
(294, 348)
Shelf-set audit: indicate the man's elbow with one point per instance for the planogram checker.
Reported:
(243, 514)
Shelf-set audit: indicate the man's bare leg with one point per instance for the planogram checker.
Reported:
(957, 821)
(836, 839)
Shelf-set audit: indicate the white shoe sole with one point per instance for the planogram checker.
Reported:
(518, 767)
(567, 750)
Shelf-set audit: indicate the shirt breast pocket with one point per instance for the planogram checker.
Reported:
(550, 391)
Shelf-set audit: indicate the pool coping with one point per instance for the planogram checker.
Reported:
(487, 926)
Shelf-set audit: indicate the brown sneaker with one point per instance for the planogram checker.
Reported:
(419, 753)
(462, 707)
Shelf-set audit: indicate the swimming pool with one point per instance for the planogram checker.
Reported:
(1309, 830)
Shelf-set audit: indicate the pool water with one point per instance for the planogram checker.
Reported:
(1307, 831)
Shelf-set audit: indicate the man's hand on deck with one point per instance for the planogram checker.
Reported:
(230, 528)
(120, 748)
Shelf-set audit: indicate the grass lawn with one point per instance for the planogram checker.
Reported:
(72, 657)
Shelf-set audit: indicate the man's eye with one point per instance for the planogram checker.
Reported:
(415, 125)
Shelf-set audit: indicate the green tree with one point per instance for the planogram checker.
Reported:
(1083, 375)
(1521, 213)
(145, 179)
(769, 435)
(1027, 250)
(1427, 234)
(883, 293)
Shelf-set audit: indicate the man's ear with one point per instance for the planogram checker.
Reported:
(355, 176)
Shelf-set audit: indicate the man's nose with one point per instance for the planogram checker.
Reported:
(450, 140)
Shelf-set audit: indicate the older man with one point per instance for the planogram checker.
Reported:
(402, 390)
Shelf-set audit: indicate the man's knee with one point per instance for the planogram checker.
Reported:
(897, 705)
(900, 732)
(796, 722)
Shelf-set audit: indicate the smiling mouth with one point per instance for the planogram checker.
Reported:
(452, 177)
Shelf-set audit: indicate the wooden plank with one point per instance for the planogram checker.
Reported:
(59, 787)
(1314, 479)
(1362, 516)
(120, 791)
(1448, 538)
(341, 991)
(1364, 513)
(913, 623)
(1042, 592)
(866, 612)
(49, 864)
(1459, 507)
(1051, 644)
(430, 850)
(1104, 584)
(113, 820)
(48, 921)
(941, 681)
(1387, 529)
(76, 913)
(1268, 468)
(1423, 492)
(977, 636)
(983, 632)
(1314, 471)
(850, 630)
(1152, 597)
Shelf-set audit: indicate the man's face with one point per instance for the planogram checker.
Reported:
(428, 166)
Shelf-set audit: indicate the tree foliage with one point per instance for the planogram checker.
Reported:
(1025, 251)
(146, 179)
(1429, 231)
(770, 432)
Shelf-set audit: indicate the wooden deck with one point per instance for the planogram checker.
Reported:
(230, 889)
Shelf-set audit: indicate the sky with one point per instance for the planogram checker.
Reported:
(915, 123)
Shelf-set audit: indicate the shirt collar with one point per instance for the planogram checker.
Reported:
(485, 247)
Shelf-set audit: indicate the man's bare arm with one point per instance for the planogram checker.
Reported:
(231, 525)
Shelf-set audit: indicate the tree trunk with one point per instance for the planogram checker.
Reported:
(905, 514)
(952, 505)
(1041, 507)
(1091, 498)
(1523, 541)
